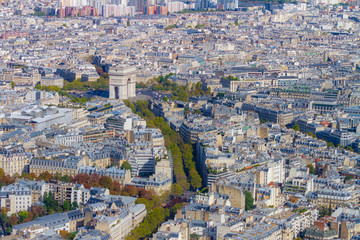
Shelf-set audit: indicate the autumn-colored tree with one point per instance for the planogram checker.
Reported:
(2, 173)
(37, 211)
(293, 199)
(116, 187)
(106, 182)
(94, 180)
(46, 176)
(16, 175)
(100, 70)
(30, 217)
(81, 178)
(143, 193)
(63, 234)
(130, 190)
(29, 176)
(7, 180)
(13, 220)
(4, 210)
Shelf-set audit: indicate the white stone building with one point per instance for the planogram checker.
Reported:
(122, 82)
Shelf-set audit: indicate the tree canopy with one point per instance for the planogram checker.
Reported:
(249, 201)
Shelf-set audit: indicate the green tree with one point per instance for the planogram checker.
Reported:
(182, 158)
(67, 206)
(23, 215)
(126, 165)
(50, 204)
(150, 224)
(296, 128)
(70, 236)
(249, 201)
(194, 236)
(197, 111)
(349, 149)
(195, 179)
(348, 178)
(75, 205)
(330, 144)
(311, 134)
(149, 204)
(65, 178)
(311, 168)
(174, 209)
(176, 190)
(4, 216)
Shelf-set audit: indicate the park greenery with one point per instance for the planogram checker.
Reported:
(231, 78)
(182, 153)
(61, 92)
(178, 92)
(77, 85)
(39, 14)
(170, 27)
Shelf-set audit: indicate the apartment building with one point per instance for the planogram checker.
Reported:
(16, 197)
(13, 159)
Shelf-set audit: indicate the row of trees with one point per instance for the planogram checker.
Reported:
(93, 180)
(157, 213)
(20, 217)
(100, 84)
(50, 206)
(182, 153)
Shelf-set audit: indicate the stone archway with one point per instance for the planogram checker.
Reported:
(116, 89)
